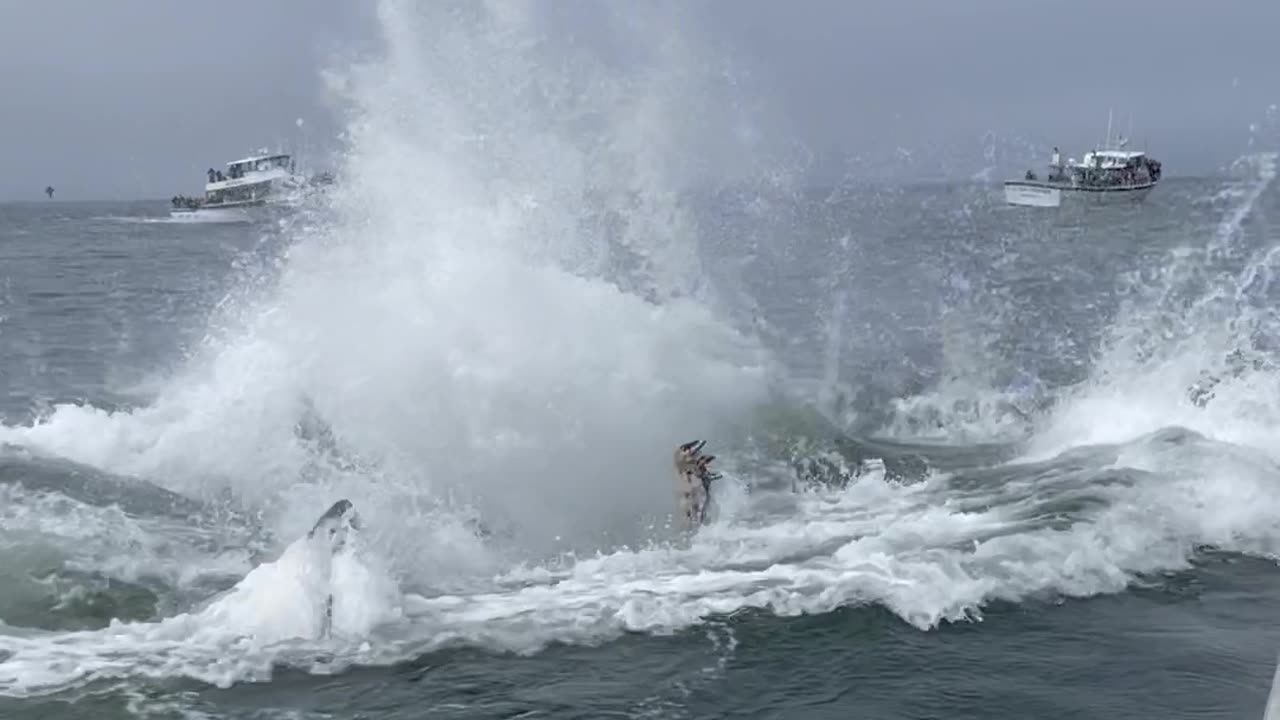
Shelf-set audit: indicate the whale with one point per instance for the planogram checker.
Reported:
(332, 531)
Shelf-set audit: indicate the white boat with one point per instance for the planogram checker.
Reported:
(1101, 176)
(1104, 176)
(249, 189)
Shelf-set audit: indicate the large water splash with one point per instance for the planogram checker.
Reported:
(461, 323)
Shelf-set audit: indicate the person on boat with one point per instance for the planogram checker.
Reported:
(212, 175)
(1055, 165)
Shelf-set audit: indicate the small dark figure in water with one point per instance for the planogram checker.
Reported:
(49, 191)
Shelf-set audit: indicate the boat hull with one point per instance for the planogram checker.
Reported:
(246, 212)
(1032, 193)
(224, 215)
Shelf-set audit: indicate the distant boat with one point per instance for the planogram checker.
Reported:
(248, 189)
(1103, 176)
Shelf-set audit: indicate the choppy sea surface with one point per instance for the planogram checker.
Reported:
(979, 461)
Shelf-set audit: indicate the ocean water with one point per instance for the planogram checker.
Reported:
(978, 461)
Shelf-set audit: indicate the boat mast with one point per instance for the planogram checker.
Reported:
(1107, 145)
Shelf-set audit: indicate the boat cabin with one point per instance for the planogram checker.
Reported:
(261, 163)
(248, 180)
(1107, 168)
(1110, 159)
(258, 168)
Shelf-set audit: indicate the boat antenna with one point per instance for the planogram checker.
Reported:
(1107, 144)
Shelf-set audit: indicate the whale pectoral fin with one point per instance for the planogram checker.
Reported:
(332, 527)
(334, 524)
(343, 509)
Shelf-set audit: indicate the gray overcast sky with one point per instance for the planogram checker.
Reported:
(135, 98)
